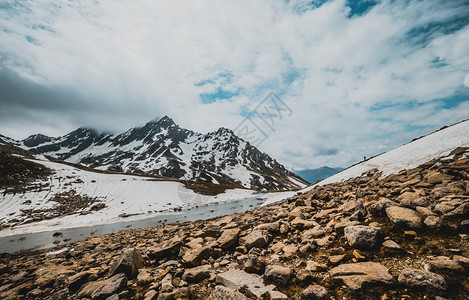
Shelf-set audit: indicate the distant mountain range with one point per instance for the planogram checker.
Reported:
(163, 148)
(314, 175)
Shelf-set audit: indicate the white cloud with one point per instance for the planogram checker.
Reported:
(122, 63)
(466, 81)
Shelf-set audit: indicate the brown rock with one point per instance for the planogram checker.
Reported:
(129, 262)
(356, 274)
(404, 217)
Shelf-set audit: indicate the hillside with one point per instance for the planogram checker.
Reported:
(401, 236)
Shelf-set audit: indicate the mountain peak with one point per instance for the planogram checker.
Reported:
(165, 121)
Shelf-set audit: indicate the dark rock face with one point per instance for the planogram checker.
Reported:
(165, 149)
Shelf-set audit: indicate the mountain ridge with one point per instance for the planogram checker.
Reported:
(161, 147)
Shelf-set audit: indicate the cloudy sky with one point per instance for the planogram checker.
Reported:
(358, 77)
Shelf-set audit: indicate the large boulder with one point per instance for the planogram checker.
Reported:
(360, 236)
(129, 262)
(228, 238)
(405, 217)
(357, 274)
(103, 288)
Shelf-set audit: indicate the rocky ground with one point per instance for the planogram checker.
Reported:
(405, 236)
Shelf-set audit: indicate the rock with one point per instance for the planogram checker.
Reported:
(257, 239)
(445, 265)
(254, 264)
(269, 227)
(314, 291)
(150, 295)
(390, 244)
(195, 256)
(179, 294)
(103, 288)
(224, 293)
(197, 274)
(404, 217)
(76, 281)
(228, 238)
(433, 222)
(251, 284)
(335, 259)
(360, 236)
(278, 274)
(314, 266)
(129, 262)
(378, 209)
(113, 297)
(276, 295)
(462, 260)
(301, 223)
(166, 285)
(169, 251)
(420, 278)
(356, 274)
(144, 277)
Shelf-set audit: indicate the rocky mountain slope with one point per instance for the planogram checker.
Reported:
(400, 236)
(163, 148)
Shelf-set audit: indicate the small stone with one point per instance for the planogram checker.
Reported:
(224, 293)
(196, 275)
(228, 238)
(276, 295)
(257, 239)
(433, 222)
(252, 284)
(314, 291)
(150, 295)
(405, 217)
(364, 237)
(421, 278)
(278, 274)
(335, 259)
(390, 244)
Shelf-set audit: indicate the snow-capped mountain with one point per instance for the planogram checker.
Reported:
(163, 148)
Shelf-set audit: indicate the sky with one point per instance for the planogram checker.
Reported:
(322, 82)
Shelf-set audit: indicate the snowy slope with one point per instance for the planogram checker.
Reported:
(408, 156)
(165, 149)
(411, 155)
(137, 196)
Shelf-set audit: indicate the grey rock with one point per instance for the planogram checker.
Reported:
(360, 236)
(250, 284)
(313, 292)
(421, 278)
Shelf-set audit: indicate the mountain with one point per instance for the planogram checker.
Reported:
(162, 148)
(314, 175)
